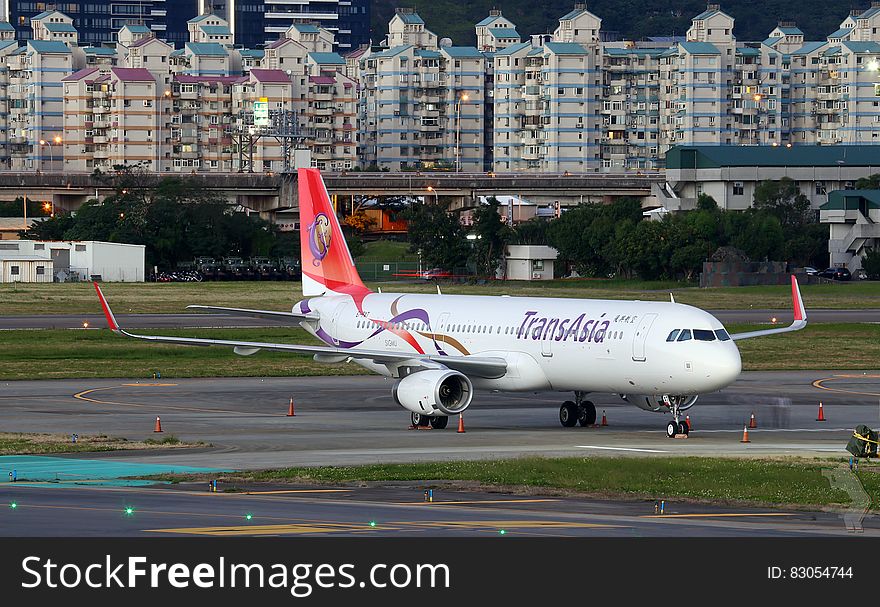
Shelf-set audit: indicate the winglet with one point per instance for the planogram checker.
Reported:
(108, 313)
(799, 322)
(797, 303)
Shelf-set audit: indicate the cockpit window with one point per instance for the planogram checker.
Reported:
(685, 335)
(722, 334)
(704, 335)
(672, 335)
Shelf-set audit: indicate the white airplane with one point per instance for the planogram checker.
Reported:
(658, 356)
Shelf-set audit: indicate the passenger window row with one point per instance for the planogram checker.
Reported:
(698, 334)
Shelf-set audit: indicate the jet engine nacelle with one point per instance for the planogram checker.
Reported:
(655, 402)
(434, 392)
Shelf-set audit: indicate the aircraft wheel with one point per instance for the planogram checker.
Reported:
(438, 422)
(683, 428)
(568, 414)
(419, 419)
(587, 413)
(671, 429)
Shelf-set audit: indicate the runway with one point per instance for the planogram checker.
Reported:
(352, 420)
(197, 320)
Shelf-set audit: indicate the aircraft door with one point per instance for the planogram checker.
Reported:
(547, 344)
(641, 336)
(441, 326)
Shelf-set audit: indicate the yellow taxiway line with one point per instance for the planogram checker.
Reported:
(819, 384)
(84, 397)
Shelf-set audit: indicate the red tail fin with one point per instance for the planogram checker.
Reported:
(327, 265)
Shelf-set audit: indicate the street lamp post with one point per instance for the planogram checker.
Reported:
(56, 139)
(436, 195)
(462, 97)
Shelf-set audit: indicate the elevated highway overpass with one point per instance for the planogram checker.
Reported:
(272, 192)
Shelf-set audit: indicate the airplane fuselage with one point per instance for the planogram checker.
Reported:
(586, 345)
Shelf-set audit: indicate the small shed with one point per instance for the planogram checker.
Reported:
(26, 269)
(530, 262)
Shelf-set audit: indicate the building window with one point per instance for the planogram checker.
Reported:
(80, 247)
(14, 270)
(820, 187)
(41, 270)
(737, 188)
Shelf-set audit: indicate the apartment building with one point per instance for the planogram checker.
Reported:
(548, 98)
(110, 119)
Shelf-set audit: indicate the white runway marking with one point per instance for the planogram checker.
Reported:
(620, 449)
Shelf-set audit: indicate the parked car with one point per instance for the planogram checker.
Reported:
(836, 274)
(811, 271)
(435, 273)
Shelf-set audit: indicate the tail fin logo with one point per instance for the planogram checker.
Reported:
(320, 236)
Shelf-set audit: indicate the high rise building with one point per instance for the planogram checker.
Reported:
(252, 22)
(255, 22)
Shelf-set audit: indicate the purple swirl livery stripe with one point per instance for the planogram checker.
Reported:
(415, 314)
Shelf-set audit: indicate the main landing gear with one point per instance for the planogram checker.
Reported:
(579, 411)
(438, 422)
(676, 425)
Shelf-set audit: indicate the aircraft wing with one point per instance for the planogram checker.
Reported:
(486, 366)
(272, 314)
(800, 317)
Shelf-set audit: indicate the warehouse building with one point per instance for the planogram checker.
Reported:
(730, 173)
(70, 261)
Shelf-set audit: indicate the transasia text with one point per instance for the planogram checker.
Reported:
(301, 578)
(562, 329)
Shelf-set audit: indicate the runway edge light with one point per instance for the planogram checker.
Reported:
(13, 505)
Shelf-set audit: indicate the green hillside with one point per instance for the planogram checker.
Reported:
(631, 19)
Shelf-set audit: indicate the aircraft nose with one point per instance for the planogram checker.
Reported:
(725, 365)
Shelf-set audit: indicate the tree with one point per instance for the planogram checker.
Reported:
(533, 231)
(174, 220)
(359, 221)
(437, 235)
(783, 199)
(871, 264)
(868, 183)
(492, 236)
(760, 235)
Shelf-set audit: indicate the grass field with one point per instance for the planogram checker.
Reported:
(46, 444)
(778, 482)
(79, 298)
(385, 250)
(59, 354)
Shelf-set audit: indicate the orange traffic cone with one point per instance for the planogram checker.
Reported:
(604, 419)
(158, 425)
(745, 438)
(290, 412)
(460, 424)
(821, 416)
(687, 420)
(752, 422)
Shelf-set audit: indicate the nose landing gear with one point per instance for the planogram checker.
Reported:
(676, 426)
